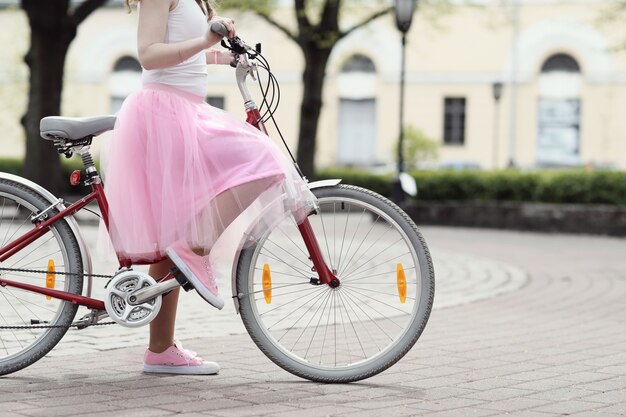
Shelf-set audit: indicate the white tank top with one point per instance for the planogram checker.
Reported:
(186, 21)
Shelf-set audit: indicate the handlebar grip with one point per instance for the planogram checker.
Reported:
(219, 28)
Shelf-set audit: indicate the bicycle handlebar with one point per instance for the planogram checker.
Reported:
(219, 28)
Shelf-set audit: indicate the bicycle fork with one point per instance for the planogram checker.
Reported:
(326, 276)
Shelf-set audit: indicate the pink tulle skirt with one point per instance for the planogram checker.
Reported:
(178, 168)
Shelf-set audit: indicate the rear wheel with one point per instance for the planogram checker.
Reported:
(58, 250)
(366, 324)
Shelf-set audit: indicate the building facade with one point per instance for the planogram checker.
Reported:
(562, 79)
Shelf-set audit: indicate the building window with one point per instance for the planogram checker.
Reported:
(559, 112)
(560, 62)
(357, 139)
(454, 121)
(216, 101)
(358, 63)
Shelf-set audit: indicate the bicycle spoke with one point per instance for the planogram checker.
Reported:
(376, 266)
(356, 229)
(299, 247)
(29, 302)
(304, 329)
(345, 281)
(378, 301)
(343, 239)
(49, 256)
(302, 274)
(18, 314)
(374, 242)
(353, 328)
(18, 228)
(289, 253)
(278, 273)
(11, 330)
(283, 305)
(362, 241)
(315, 300)
(368, 316)
(19, 260)
(345, 334)
(286, 293)
(385, 293)
(388, 247)
(317, 325)
(326, 327)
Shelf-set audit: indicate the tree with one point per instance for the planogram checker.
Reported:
(53, 25)
(418, 147)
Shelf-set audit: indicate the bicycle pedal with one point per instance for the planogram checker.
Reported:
(182, 280)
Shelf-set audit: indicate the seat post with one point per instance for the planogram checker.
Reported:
(90, 167)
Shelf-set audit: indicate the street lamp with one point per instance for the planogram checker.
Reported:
(404, 17)
(497, 95)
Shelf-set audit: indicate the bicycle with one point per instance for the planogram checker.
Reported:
(342, 303)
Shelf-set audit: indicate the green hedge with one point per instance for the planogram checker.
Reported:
(601, 187)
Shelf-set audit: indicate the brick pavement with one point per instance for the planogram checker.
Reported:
(460, 279)
(555, 346)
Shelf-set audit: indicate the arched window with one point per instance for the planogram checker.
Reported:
(127, 63)
(559, 112)
(125, 79)
(560, 62)
(358, 63)
(357, 141)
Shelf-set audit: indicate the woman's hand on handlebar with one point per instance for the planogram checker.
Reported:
(214, 37)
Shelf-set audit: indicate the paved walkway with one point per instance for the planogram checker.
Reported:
(547, 340)
(461, 279)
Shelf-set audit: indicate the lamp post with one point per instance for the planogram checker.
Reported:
(404, 17)
(497, 95)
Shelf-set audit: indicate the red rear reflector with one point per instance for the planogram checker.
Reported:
(75, 177)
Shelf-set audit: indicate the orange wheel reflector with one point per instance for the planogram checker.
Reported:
(401, 283)
(267, 284)
(50, 276)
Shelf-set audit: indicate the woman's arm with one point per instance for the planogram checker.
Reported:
(154, 53)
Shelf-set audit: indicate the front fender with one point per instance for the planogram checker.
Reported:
(313, 185)
(84, 250)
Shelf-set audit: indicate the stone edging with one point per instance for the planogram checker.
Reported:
(565, 218)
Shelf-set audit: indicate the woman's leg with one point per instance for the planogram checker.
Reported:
(229, 204)
(162, 327)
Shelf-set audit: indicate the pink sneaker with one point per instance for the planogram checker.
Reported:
(197, 271)
(176, 360)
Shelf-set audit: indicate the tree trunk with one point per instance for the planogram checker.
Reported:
(313, 80)
(51, 34)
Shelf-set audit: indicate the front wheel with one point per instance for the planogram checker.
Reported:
(362, 327)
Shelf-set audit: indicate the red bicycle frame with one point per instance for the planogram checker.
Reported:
(326, 276)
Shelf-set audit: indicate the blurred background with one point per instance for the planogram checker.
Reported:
(527, 85)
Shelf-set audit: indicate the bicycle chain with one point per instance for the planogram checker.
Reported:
(53, 326)
(36, 271)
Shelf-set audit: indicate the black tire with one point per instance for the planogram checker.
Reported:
(355, 299)
(19, 350)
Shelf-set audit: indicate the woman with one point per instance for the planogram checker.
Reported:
(180, 171)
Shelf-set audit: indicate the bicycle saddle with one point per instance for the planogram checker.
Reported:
(74, 128)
